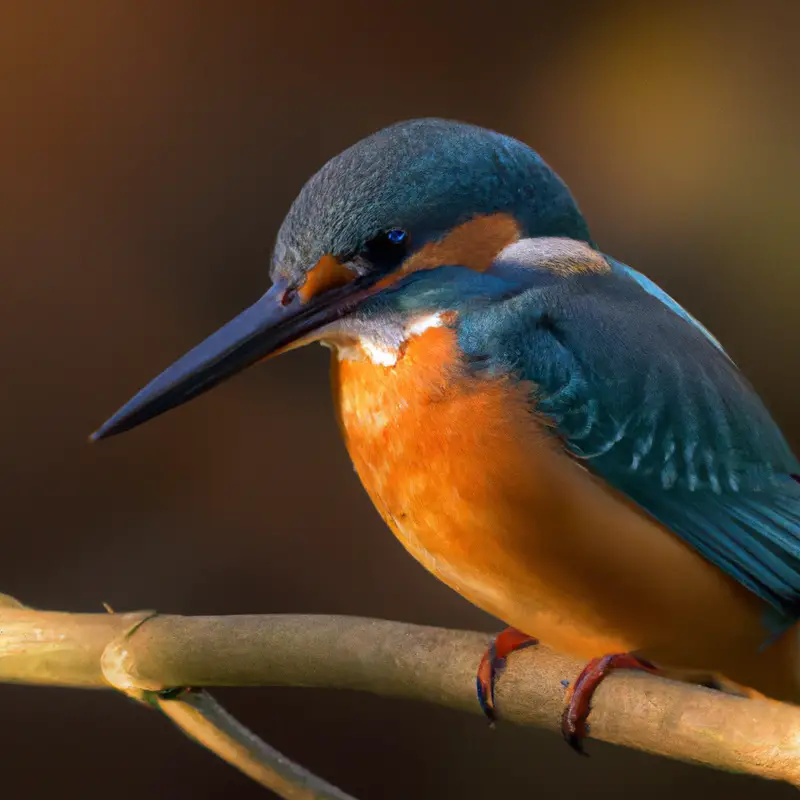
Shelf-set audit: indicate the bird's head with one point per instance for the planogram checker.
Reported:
(378, 236)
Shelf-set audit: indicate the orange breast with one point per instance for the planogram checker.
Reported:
(473, 485)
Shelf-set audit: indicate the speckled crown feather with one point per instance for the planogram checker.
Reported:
(424, 176)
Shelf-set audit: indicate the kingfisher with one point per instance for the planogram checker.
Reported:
(541, 426)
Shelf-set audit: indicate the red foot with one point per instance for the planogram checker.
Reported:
(579, 698)
(493, 663)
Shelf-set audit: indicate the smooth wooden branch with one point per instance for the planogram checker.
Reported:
(152, 652)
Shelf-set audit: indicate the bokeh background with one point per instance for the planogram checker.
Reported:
(148, 151)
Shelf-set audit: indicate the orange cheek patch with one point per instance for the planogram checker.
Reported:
(326, 274)
(473, 244)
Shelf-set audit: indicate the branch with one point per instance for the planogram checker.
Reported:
(677, 720)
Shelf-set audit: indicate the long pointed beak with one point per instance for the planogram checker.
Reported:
(262, 330)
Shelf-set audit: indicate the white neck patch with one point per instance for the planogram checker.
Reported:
(422, 324)
(381, 354)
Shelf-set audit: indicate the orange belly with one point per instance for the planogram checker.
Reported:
(473, 485)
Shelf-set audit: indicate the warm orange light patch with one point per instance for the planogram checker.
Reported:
(326, 274)
(474, 244)
(471, 484)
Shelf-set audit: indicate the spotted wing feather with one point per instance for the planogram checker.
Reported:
(650, 402)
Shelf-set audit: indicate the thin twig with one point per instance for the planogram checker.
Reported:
(678, 720)
(203, 719)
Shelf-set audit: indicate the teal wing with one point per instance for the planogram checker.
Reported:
(649, 401)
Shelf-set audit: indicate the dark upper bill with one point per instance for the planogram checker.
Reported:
(265, 328)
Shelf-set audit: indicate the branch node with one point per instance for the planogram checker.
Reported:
(119, 666)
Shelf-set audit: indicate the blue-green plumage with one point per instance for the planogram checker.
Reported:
(647, 399)
(632, 385)
(425, 176)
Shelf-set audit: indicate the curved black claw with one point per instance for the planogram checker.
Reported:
(492, 665)
(574, 725)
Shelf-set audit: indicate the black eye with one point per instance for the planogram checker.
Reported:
(388, 249)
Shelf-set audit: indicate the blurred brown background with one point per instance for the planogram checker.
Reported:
(148, 151)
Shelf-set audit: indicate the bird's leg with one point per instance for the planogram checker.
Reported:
(579, 695)
(493, 663)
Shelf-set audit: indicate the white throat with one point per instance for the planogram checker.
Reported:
(385, 354)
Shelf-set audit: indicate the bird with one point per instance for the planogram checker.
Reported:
(542, 427)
